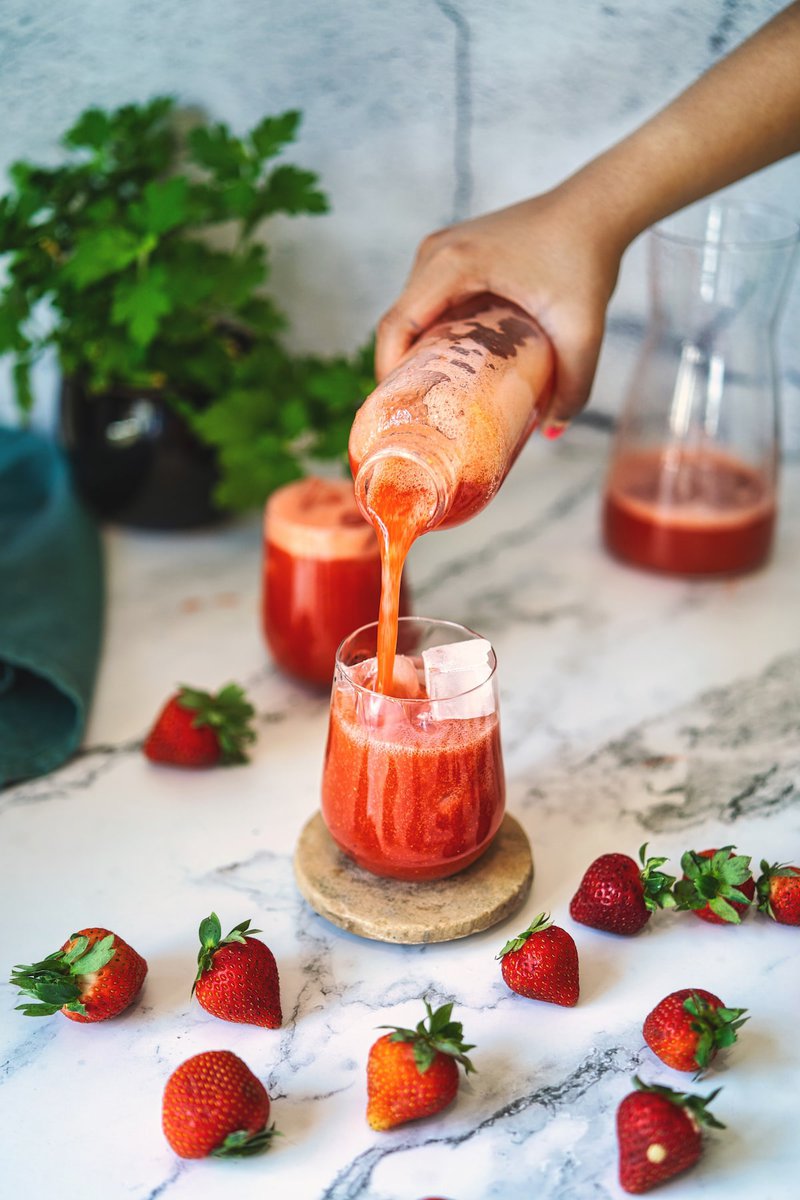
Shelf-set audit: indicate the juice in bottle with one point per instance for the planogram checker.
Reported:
(689, 512)
(322, 575)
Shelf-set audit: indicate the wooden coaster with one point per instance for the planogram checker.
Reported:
(390, 910)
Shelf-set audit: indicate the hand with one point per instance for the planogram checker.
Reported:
(556, 255)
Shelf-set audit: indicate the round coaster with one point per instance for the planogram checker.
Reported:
(391, 910)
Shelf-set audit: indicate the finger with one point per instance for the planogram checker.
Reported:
(430, 291)
(576, 364)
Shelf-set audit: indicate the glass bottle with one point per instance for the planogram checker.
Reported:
(692, 480)
(449, 421)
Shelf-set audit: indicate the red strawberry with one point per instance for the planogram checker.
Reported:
(94, 976)
(778, 889)
(542, 963)
(717, 885)
(658, 1131)
(687, 1028)
(213, 1104)
(237, 977)
(413, 1073)
(196, 729)
(618, 896)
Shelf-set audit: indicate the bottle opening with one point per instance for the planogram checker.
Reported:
(393, 487)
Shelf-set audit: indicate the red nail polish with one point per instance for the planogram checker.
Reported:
(554, 431)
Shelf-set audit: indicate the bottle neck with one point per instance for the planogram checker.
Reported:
(406, 459)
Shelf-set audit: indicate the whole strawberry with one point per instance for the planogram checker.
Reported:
(778, 890)
(619, 896)
(237, 976)
(687, 1028)
(197, 729)
(542, 963)
(658, 1132)
(214, 1104)
(717, 885)
(95, 975)
(413, 1073)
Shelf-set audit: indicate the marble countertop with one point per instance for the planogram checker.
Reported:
(634, 708)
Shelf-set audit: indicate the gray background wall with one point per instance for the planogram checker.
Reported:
(417, 112)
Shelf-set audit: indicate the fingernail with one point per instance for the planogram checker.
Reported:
(555, 429)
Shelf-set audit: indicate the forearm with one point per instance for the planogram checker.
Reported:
(739, 117)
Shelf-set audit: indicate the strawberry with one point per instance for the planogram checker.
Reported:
(196, 729)
(618, 896)
(413, 1073)
(778, 889)
(542, 963)
(658, 1131)
(687, 1028)
(237, 976)
(214, 1104)
(94, 976)
(717, 885)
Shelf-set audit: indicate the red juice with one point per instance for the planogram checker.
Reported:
(409, 797)
(688, 512)
(322, 575)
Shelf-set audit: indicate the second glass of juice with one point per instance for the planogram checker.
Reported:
(413, 784)
(322, 574)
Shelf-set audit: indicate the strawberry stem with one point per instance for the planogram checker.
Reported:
(696, 1105)
(657, 885)
(54, 982)
(717, 1027)
(211, 940)
(714, 882)
(435, 1033)
(763, 890)
(242, 1143)
(228, 714)
(537, 925)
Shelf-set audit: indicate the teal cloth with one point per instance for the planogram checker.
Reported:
(51, 608)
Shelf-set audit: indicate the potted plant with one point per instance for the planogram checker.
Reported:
(138, 261)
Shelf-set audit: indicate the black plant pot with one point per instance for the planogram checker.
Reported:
(135, 461)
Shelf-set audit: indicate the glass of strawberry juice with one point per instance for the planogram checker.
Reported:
(322, 575)
(413, 785)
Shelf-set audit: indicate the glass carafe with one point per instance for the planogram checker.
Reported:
(692, 480)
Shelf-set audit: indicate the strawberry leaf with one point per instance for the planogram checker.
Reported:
(242, 1143)
(211, 940)
(228, 713)
(696, 1105)
(657, 885)
(537, 925)
(98, 956)
(435, 1034)
(723, 909)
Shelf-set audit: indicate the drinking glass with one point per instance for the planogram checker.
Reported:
(413, 786)
(321, 577)
(691, 485)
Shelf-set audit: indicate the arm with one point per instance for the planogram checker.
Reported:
(557, 255)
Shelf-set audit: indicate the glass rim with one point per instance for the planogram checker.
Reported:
(661, 232)
(368, 691)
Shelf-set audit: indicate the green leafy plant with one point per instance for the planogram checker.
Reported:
(110, 261)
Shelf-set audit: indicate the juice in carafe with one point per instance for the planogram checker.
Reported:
(688, 511)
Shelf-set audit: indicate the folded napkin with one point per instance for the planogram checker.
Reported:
(51, 608)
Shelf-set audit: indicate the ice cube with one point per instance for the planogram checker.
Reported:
(458, 677)
(405, 679)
